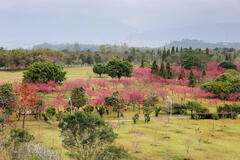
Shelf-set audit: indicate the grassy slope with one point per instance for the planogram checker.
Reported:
(224, 144)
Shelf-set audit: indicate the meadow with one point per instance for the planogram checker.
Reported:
(160, 138)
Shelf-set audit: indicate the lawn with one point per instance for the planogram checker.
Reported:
(161, 139)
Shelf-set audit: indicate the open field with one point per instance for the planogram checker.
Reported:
(216, 142)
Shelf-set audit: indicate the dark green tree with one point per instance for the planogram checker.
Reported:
(86, 135)
(162, 71)
(89, 59)
(154, 68)
(191, 79)
(98, 58)
(79, 97)
(142, 63)
(99, 68)
(119, 68)
(44, 72)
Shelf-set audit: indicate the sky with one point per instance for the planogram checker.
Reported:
(28, 22)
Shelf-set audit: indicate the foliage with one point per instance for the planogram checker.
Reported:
(147, 111)
(154, 68)
(119, 68)
(229, 108)
(88, 109)
(100, 110)
(7, 98)
(85, 132)
(50, 112)
(223, 86)
(135, 118)
(191, 79)
(79, 97)
(179, 108)
(150, 101)
(44, 72)
(18, 136)
(196, 107)
(157, 110)
(113, 153)
(228, 65)
(26, 100)
(99, 68)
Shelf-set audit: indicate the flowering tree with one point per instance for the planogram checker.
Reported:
(26, 98)
(134, 97)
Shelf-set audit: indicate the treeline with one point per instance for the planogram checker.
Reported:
(189, 58)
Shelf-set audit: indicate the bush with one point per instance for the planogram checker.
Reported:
(157, 110)
(179, 108)
(44, 72)
(135, 118)
(88, 109)
(100, 110)
(228, 65)
(113, 153)
(147, 112)
(213, 116)
(18, 136)
(50, 112)
(99, 68)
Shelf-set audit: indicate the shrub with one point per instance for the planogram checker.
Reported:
(44, 72)
(113, 153)
(157, 110)
(100, 110)
(88, 109)
(50, 112)
(135, 118)
(228, 65)
(18, 136)
(179, 108)
(147, 111)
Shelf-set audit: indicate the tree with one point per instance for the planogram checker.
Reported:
(7, 99)
(89, 59)
(228, 65)
(44, 72)
(86, 135)
(154, 68)
(103, 49)
(97, 58)
(196, 107)
(169, 73)
(142, 63)
(162, 71)
(191, 79)
(100, 110)
(182, 74)
(113, 101)
(18, 136)
(83, 58)
(99, 68)
(79, 97)
(119, 68)
(26, 98)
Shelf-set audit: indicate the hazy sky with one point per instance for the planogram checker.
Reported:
(33, 21)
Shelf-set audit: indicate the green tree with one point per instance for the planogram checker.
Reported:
(44, 72)
(168, 69)
(103, 49)
(79, 97)
(142, 63)
(191, 79)
(162, 71)
(119, 68)
(154, 67)
(7, 99)
(18, 136)
(97, 58)
(100, 110)
(182, 73)
(86, 135)
(99, 68)
(89, 59)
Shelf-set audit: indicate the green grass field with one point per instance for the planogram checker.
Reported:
(157, 140)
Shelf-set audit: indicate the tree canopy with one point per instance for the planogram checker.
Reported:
(44, 72)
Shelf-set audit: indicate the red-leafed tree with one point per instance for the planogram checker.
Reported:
(26, 100)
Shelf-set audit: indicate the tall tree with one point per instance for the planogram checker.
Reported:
(191, 79)
(79, 97)
(154, 68)
(182, 73)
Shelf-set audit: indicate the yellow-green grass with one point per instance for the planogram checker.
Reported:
(73, 73)
(222, 143)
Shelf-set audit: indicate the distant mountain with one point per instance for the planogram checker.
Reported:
(92, 47)
(186, 43)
